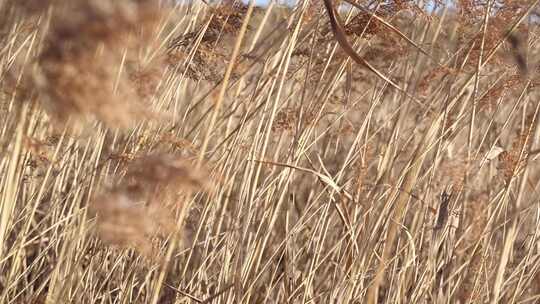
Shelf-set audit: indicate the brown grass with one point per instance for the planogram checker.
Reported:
(221, 153)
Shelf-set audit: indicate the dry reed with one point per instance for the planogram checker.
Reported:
(360, 153)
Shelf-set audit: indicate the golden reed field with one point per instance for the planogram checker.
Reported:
(327, 152)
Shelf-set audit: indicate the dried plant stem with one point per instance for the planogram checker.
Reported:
(476, 83)
(176, 237)
(225, 84)
(512, 233)
(399, 200)
(340, 36)
(342, 203)
(11, 180)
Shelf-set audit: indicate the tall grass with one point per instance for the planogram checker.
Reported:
(156, 152)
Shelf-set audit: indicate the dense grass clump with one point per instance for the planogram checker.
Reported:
(193, 152)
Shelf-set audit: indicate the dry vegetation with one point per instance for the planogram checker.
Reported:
(225, 153)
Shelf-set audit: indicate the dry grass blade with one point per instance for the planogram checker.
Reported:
(395, 30)
(324, 182)
(339, 34)
(219, 101)
(409, 177)
(327, 180)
